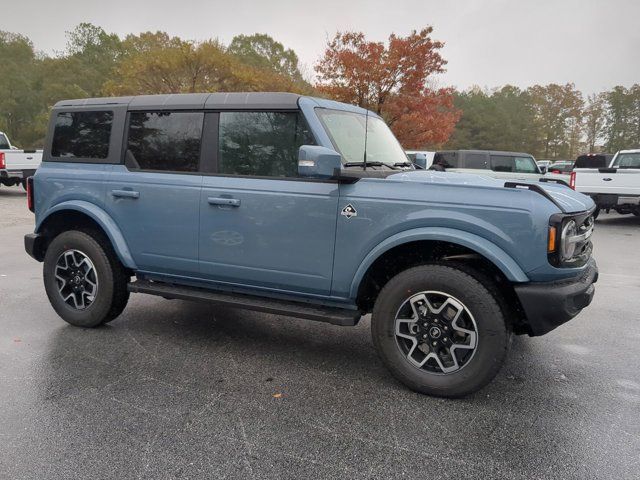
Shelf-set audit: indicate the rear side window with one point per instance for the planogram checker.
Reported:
(476, 160)
(510, 163)
(168, 141)
(261, 143)
(592, 161)
(82, 135)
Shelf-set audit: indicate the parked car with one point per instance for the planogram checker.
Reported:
(422, 158)
(614, 188)
(275, 202)
(543, 164)
(561, 167)
(559, 171)
(16, 165)
(496, 164)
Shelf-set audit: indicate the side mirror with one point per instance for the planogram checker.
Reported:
(318, 162)
(421, 160)
(543, 169)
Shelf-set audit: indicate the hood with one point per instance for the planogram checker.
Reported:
(569, 200)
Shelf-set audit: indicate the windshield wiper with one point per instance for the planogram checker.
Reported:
(403, 164)
(369, 164)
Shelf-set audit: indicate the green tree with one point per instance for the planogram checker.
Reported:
(594, 120)
(623, 118)
(262, 51)
(558, 113)
(19, 92)
(157, 63)
(495, 120)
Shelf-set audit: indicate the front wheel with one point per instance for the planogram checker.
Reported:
(439, 330)
(84, 280)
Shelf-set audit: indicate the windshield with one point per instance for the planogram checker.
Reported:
(346, 130)
(4, 142)
(627, 160)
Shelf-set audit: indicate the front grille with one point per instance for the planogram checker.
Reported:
(584, 247)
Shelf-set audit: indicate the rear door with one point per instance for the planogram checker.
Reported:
(260, 225)
(154, 196)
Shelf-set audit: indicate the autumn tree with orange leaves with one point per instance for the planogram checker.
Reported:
(392, 81)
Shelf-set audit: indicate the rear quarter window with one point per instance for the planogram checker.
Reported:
(82, 135)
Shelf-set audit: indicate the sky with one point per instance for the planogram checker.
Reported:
(488, 43)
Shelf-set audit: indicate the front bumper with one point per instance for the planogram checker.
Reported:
(548, 305)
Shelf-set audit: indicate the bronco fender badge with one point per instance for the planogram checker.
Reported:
(349, 211)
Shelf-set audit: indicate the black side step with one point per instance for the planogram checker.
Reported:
(333, 315)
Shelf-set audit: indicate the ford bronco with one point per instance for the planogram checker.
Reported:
(303, 207)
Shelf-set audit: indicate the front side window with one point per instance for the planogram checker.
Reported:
(165, 141)
(347, 132)
(82, 135)
(509, 163)
(627, 160)
(261, 144)
(446, 159)
(4, 142)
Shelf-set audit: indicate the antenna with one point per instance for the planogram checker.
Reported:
(366, 131)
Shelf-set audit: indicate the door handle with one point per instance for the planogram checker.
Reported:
(228, 202)
(125, 194)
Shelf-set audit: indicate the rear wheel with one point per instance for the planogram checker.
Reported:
(84, 280)
(439, 330)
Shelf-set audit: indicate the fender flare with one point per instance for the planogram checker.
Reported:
(103, 219)
(496, 255)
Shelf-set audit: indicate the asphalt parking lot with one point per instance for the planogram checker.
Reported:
(173, 389)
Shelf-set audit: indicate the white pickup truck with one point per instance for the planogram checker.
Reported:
(16, 165)
(616, 187)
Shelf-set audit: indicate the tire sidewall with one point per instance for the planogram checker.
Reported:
(493, 336)
(96, 312)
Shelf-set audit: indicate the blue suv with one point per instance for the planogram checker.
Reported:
(304, 207)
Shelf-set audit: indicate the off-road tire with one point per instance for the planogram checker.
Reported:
(478, 294)
(112, 295)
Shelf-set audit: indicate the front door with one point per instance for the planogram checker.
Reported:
(260, 225)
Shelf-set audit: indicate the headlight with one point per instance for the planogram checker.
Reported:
(568, 241)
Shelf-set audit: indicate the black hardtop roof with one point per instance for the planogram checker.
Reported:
(186, 101)
(490, 152)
